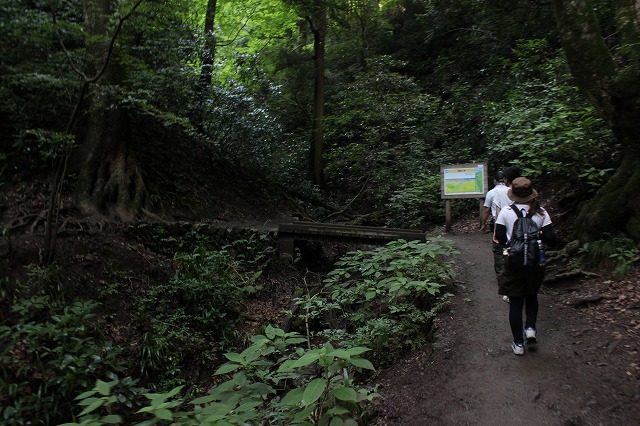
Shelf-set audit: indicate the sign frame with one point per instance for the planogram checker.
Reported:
(468, 180)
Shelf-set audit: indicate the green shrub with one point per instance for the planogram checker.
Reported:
(543, 124)
(416, 203)
(384, 299)
(48, 356)
(273, 381)
(618, 254)
(195, 312)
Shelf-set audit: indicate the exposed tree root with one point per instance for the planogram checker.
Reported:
(24, 219)
(575, 273)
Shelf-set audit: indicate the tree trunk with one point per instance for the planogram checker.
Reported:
(109, 180)
(612, 84)
(616, 206)
(209, 54)
(319, 35)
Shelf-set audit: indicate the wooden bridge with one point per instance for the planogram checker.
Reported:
(288, 233)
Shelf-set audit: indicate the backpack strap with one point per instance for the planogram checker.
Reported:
(516, 210)
(518, 213)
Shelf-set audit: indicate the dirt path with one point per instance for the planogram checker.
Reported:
(472, 377)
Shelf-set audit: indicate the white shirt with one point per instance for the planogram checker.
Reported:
(508, 217)
(488, 200)
(500, 199)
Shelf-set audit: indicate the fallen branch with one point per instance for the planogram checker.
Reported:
(341, 212)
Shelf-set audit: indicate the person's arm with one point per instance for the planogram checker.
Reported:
(485, 216)
(496, 205)
(487, 209)
(500, 234)
(550, 238)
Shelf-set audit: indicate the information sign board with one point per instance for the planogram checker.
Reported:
(463, 181)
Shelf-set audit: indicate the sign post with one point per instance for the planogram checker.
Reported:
(462, 181)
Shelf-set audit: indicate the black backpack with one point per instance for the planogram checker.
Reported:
(523, 244)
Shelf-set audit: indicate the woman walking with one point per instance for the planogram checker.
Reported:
(522, 283)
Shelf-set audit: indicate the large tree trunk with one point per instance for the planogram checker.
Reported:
(616, 206)
(612, 84)
(110, 181)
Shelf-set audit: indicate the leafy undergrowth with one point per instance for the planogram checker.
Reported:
(134, 318)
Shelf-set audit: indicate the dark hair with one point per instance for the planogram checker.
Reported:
(499, 176)
(535, 208)
(512, 172)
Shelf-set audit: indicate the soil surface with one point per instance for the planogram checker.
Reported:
(584, 371)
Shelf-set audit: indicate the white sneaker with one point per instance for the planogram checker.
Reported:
(505, 299)
(530, 335)
(518, 348)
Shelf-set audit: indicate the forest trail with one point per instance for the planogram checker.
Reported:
(472, 377)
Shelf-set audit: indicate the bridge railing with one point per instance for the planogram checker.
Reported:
(288, 233)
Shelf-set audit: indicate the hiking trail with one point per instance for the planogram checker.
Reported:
(579, 375)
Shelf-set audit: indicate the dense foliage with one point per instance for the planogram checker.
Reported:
(407, 85)
(385, 299)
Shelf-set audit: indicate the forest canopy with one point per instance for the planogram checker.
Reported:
(354, 101)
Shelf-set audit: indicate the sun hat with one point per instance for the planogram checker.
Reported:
(521, 190)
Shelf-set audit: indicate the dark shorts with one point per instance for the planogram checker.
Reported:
(514, 282)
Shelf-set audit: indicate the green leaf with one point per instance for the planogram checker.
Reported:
(336, 421)
(103, 388)
(314, 391)
(286, 366)
(270, 332)
(235, 357)
(93, 406)
(338, 411)
(227, 368)
(214, 418)
(306, 359)
(248, 406)
(345, 393)
(294, 397)
(112, 419)
(357, 350)
(340, 353)
(86, 394)
(361, 363)
(173, 392)
(295, 340)
(89, 401)
(217, 409)
(163, 414)
(262, 389)
(304, 414)
(206, 399)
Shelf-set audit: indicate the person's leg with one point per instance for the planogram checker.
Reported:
(531, 311)
(498, 257)
(515, 318)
